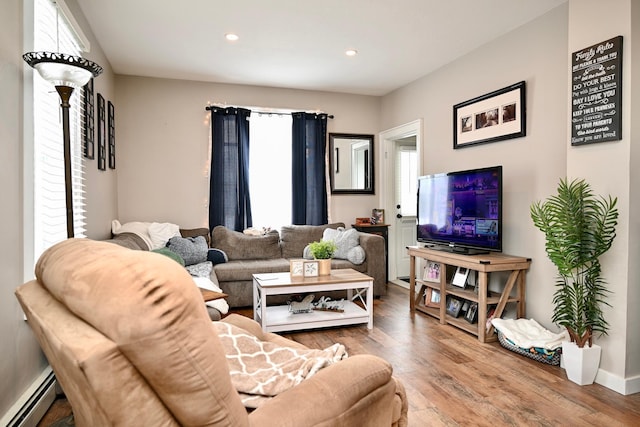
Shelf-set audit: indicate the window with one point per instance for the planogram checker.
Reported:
(52, 32)
(407, 178)
(270, 169)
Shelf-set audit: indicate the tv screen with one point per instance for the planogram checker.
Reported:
(461, 211)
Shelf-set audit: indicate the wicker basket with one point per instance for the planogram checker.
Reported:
(550, 357)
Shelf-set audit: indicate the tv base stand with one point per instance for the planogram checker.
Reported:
(513, 291)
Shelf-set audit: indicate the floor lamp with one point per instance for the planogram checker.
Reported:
(66, 73)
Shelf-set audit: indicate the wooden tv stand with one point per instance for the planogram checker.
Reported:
(483, 265)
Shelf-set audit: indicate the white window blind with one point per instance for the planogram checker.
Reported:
(53, 33)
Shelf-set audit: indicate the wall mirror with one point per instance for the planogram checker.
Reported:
(351, 163)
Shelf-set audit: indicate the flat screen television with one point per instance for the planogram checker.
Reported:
(461, 211)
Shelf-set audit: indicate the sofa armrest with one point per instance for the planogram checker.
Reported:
(373, 246)
(356, 391)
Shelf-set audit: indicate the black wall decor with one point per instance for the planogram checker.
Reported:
(112, 135)
(101, 134)
(496, 116)
(89, 122)
(596, 93)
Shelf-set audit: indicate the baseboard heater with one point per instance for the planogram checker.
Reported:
(34, 403)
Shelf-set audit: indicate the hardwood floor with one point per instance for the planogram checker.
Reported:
(453, 380)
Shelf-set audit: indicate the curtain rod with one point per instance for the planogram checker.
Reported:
(211, 107)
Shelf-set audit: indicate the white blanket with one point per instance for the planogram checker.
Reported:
(527, 333)
(155, 234)
(206, 283)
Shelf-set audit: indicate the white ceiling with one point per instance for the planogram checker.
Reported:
(299, 43)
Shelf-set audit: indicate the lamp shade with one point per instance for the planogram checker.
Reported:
(63, 69)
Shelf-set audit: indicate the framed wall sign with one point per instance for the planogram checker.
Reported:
(102, 134)
(111, 135)
(296, 267)
(89, 121)
(311, 269)
(596, 93)
(496, 116)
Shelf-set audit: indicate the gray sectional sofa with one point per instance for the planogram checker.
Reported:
(270, 253)
(247, 255)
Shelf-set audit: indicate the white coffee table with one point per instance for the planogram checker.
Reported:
(278, 318)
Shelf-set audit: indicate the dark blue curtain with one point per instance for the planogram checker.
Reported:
(309, 183)
(229, 202)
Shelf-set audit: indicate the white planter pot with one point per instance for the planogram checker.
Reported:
(581, 364)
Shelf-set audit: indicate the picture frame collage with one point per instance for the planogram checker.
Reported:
(455, 306)
(96, 108)
(492, 117)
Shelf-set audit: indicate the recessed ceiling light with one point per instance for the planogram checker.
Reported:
(231, 37)
(351, 52)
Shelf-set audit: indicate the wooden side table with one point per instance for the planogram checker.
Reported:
(380, 230)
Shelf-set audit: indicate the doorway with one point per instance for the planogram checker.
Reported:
(402, 164)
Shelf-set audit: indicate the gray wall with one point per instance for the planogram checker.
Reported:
(536, 53)
(163, 143)
(21, 360)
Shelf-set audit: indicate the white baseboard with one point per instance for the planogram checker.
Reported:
(623, 386)
(400, 283)
(33, 403)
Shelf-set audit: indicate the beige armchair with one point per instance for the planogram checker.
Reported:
(131, 343)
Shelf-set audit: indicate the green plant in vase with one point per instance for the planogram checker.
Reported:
(579, 227)
(324, 249)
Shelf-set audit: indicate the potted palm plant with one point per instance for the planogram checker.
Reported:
(579, 227)
(323, 251)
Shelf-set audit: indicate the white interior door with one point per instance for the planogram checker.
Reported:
(406, 178)
(402, 230)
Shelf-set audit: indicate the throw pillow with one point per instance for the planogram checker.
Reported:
(201, 269)
(192, 249)
(217, 256)
(168, 252)
(160, 233)
(347, 242)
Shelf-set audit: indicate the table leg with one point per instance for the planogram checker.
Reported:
(412, 283)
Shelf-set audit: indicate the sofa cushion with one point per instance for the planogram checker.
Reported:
(294, 238)
(239, 246)
(192, 249)
(243, 270)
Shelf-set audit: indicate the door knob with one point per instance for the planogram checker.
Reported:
(399, 216)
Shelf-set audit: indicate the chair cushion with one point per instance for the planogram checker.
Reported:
(149, 306)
